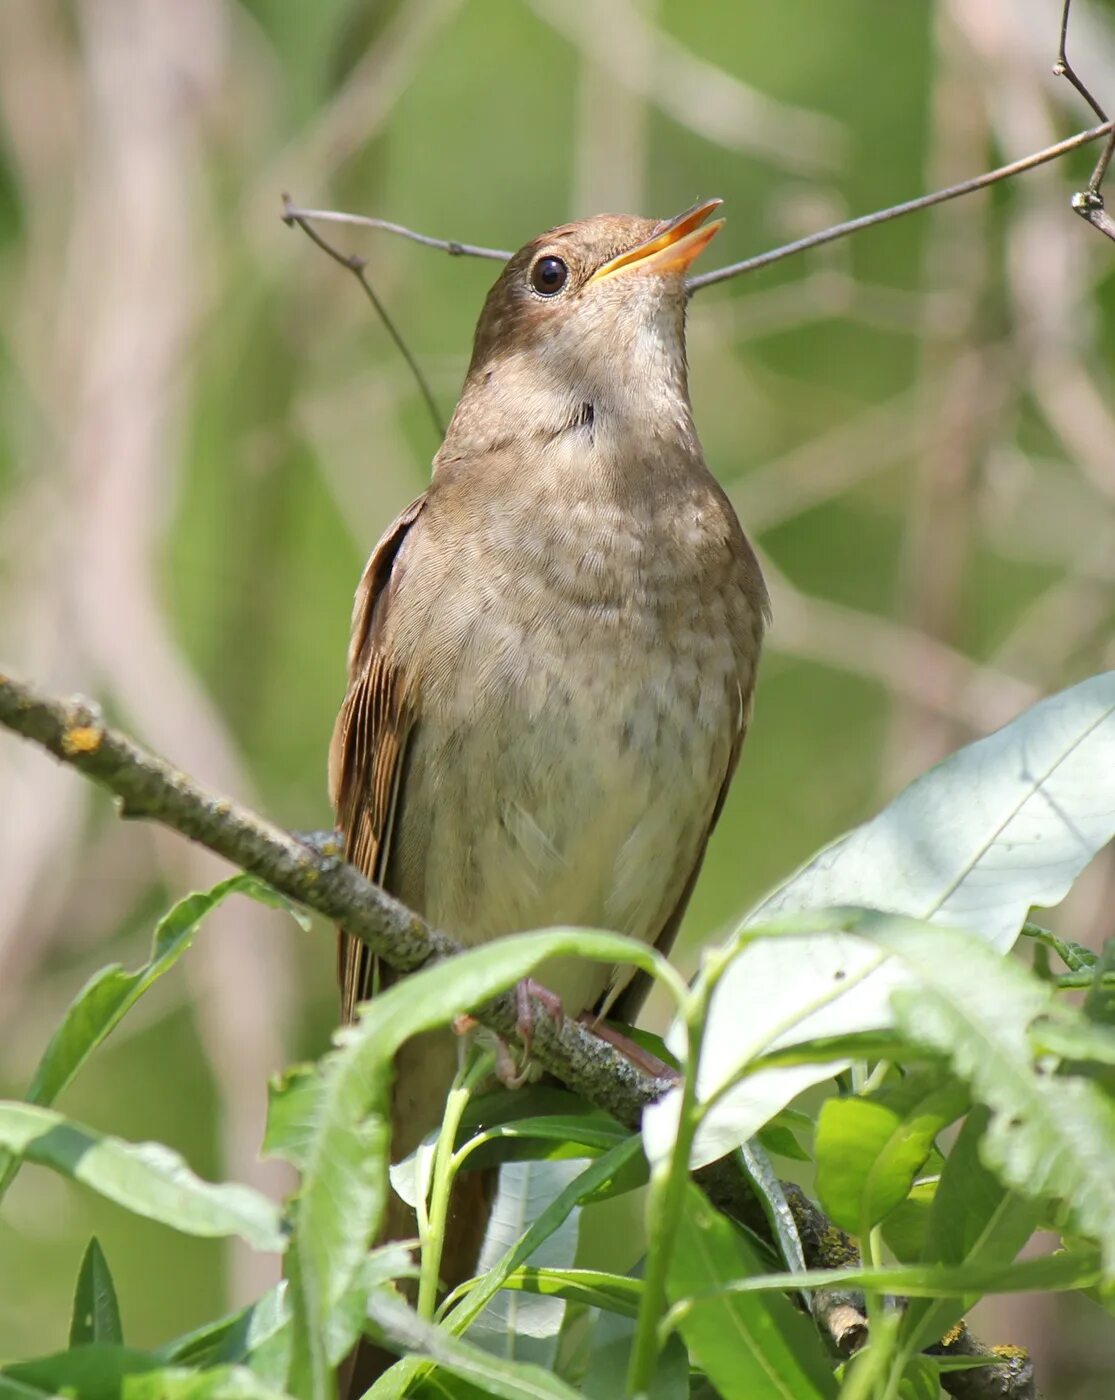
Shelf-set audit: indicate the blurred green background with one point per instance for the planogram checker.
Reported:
(204, 431)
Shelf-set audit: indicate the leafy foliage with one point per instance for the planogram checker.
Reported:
(951, 1029)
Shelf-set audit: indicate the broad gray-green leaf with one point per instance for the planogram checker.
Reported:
(1000, 826)
(110, 994)
(752, 1346)
(345, 1157)
(526, 1326)
(145, 1178)
(96, 1313)
(1049, 1135)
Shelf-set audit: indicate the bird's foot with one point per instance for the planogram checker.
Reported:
(639, 1056)
(527, 992)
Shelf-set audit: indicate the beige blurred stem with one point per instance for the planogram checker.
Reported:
(103, 339)
(148, 787)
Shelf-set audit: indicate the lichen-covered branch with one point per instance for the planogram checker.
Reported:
(317, 876)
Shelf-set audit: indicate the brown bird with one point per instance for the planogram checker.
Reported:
(553, 648)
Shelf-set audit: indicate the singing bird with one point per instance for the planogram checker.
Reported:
(553, 649)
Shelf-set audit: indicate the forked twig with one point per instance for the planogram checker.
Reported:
(1088, 202)
(898, 211)
(357, 265)
(446, 245)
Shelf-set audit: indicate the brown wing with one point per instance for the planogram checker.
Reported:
(369, 745)
(628, 1004)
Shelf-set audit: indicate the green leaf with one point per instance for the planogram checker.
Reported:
(1000, 826)
(974, 1222)
(1099, 1006)
(94, 1372)
(345, 1157)
(904, 1228)
(232, 1338)
(870, 1150)
(752, 1347)
(1086, 1042)
(145, 1178)
(293, 1105)
(96, 1313)
(506, 1380)
(180, 1383)
(110, 994)
(1050, 1273)
(605, 1376)
(618, 1293)
(779, 1140)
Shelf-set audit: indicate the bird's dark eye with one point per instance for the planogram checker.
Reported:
(548, 275)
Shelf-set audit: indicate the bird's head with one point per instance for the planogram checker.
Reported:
(591, 313)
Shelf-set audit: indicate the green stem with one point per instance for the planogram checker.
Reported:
(476, 1067)
(667, 1192)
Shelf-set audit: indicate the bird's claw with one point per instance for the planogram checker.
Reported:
(527, 992)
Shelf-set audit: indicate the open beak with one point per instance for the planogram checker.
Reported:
(673, 248)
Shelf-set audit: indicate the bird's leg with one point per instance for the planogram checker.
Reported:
(510, 1074)
(526, 993)
(639, 1056)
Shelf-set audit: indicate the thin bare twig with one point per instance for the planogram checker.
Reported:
(897, 211)
(357, 265)
(1088, 203)
(149, 787)
(446, 245)
(292, 214)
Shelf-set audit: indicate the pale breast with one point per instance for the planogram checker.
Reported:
(585, 675)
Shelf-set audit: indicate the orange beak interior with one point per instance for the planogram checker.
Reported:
(674, 247)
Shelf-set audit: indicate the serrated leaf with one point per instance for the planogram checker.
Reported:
(1000, 826)
(751, 1346)
(145, 1178)
(96, 1313)
(110, 994)
(869, 1151)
